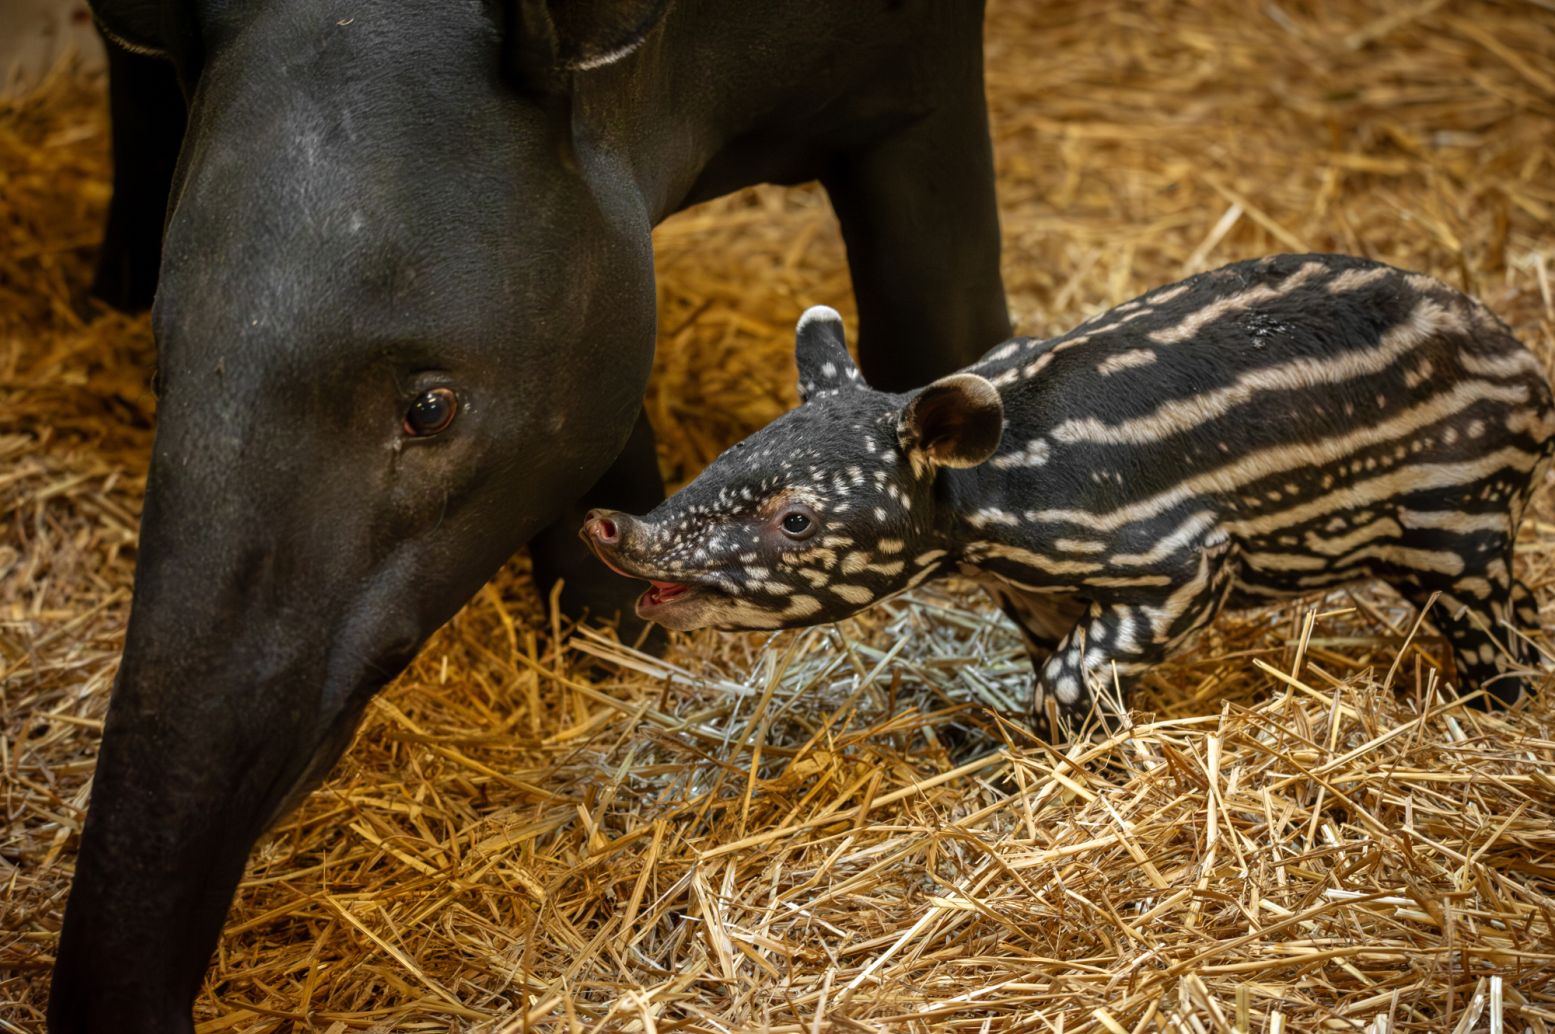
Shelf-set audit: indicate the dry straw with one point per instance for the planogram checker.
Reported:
(836, 829)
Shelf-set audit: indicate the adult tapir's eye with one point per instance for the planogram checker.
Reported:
(432, 412)
(798, 524)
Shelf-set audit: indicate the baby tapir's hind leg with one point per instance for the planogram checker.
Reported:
(1486, 652)
(1095, 666)
(1525, 609)
(1481, 606)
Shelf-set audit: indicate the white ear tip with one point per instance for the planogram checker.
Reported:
(818, 314)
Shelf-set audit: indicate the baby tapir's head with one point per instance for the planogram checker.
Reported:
(822, 512)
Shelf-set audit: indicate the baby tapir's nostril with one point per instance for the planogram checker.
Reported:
(601, 526)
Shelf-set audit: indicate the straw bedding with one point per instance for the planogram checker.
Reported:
(838, 829)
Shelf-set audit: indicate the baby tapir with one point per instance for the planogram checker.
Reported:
(1268, 429)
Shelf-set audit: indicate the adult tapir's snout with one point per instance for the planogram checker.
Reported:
(381, 374)
(252, 648)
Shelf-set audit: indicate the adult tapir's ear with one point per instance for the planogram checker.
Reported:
(821, 348)
(154, 28)
(139, 26)
(549, 38)
(955, 422)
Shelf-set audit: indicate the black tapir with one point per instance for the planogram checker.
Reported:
(405, 318)
(1276, 427)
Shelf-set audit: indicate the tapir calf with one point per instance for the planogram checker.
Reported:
(1269, 429)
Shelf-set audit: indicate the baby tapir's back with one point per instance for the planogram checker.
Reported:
(1307, 405)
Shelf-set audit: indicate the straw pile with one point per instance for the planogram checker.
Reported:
(835, 829)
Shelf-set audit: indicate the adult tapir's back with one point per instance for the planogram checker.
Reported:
(1258, 387)
(405, 318)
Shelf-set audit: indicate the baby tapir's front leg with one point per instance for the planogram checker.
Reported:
(1095, 666)
(1043, 618)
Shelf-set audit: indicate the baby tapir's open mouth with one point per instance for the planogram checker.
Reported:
(662, 594)
(665, 602)
(658, 595)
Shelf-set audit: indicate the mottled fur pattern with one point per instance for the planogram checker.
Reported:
(1269, 429)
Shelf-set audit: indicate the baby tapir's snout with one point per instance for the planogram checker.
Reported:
(818, 515)
(633, 548)
(603, 527)
(607, 533)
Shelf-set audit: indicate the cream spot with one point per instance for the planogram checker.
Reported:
(855, 594)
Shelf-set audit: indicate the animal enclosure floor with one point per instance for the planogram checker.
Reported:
(834, 830)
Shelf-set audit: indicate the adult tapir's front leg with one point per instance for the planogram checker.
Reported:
(589, 588)
(921, 222)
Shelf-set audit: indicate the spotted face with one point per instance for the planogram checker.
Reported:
(828, 509)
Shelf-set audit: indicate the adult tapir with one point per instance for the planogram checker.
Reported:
(405, 311)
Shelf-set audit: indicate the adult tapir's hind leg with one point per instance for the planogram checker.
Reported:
(921, 223)
(147, 111)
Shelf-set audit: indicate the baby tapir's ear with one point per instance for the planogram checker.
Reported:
(821, 347)
(955, 422)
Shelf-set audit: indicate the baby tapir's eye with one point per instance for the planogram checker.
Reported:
(798, 523)
(431, 412)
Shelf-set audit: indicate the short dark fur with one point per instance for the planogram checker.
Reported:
(1268, 429)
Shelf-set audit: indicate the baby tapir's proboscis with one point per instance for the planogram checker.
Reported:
(1270, 429)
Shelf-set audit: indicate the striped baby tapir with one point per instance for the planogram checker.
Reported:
(1270, 429)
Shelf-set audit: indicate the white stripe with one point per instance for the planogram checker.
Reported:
(1123, 582)
(1079, 546)
(1285, 561)
(1518, 361)
(1183, 534)
(1453, 520)
(992, 515)
(1338, 546)
(1351, 279)
(1126, 360)
(1425, 321)
(1233, 477)
(1200, 318)
(1416, 477)
(1029, 559)
(1443, 561)
(1166, 294)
